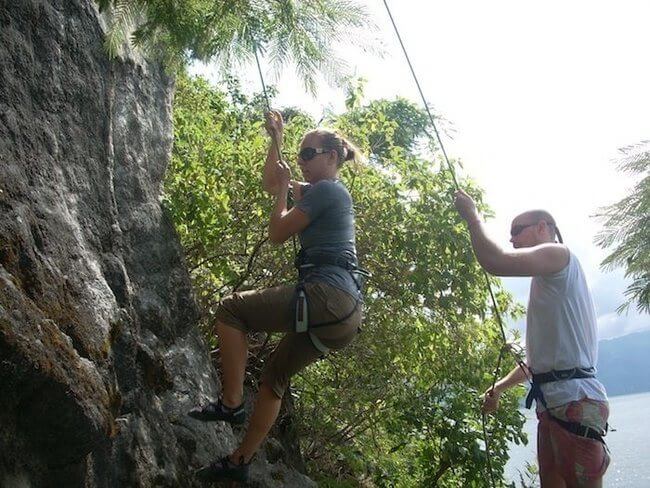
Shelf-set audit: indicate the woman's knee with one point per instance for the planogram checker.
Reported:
(274, 381)
(271, 391)
(227, 315)
(225, 331)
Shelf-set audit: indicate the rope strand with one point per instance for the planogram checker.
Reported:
(276, 144)
(495, 305)
(274, 140)
(424, 101)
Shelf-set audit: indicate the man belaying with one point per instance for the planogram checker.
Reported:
(561, 347)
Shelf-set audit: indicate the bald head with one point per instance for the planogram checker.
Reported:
(540, 215)
(537, 215)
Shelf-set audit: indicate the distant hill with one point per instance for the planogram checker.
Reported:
(624, 364)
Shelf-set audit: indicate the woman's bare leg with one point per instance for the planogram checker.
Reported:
(233, 346)
(267, 407)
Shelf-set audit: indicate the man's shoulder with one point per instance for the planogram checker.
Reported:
(553, 259)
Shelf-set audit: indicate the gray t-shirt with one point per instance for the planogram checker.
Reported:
(328, 205)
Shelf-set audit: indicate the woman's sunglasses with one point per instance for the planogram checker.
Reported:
(309, 153)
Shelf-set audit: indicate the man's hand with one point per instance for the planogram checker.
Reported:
(466, 207)
(490, 401)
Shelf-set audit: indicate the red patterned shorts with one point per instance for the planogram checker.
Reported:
(578, 460)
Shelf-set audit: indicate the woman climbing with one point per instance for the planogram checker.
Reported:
(322, 312)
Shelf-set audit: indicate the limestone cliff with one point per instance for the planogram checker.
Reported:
(100, 357)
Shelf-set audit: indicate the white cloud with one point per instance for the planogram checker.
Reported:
(612, 325)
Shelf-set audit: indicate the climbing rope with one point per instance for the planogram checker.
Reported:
(495, 306)
(276, 143)
(450, 167)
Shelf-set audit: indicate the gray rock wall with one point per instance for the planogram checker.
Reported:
(100, 356)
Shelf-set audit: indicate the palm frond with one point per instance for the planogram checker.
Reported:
(123, 17)
(626, 228)
(307, 34)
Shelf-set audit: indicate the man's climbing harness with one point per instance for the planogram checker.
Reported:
(535, 393)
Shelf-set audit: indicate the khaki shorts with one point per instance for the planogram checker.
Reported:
(273, 310)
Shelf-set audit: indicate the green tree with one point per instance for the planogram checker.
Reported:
(399, 407)
(301, 33)
(405, 394)
(213, 191)
(626, 228)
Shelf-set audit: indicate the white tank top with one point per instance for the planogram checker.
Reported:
(561, 333)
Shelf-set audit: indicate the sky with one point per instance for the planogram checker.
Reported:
(537, 98)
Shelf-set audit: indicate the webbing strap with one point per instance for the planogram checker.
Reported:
(564, 374)
(578, 429)
(302, 310)
(302, 319)
(318, 344)
(302, 324)
(535, 392)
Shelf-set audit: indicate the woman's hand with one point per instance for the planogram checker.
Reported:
(466, 207)
(490, 400)
(274, 124)
(283, 175)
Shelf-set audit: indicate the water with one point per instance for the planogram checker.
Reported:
(629, 444)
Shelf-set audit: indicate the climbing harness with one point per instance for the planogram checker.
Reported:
(535, 393)
(304, 263)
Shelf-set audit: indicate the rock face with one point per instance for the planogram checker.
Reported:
(100, 357)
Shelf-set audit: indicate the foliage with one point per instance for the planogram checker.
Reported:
(404, 389)
(626, 228)
(213, 193)
(302, 33)
(398, 407)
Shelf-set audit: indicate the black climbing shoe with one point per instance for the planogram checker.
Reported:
(218, 411)
(224, 469)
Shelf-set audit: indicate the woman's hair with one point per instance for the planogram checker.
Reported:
(332, 140)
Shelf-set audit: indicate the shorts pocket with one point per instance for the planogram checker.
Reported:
(327, 303)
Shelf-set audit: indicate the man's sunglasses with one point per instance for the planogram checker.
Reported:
(518, 229)
(309, 153)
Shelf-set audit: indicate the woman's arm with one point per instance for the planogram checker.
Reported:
(275, 128)
(285, 223)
